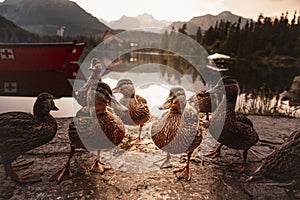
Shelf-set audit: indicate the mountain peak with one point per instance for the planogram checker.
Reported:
(144, 20)
(225, 13)
(145, 16)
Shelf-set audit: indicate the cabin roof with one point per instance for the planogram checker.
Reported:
(218, 56)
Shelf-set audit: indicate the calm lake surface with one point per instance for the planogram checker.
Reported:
(154, 81)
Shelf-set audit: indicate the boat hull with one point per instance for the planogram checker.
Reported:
(27, 69)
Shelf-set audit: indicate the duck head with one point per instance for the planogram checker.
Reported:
(176, 101)
(104, 98)
(96, 67)
(229, 84)
(199, 100)
(125, 87)
(44, 104)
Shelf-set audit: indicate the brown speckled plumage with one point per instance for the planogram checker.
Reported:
(203, 100)
(21, 132)
(282, 166)
(178, 130)
(138, 112)
(177, 133)
(101, 131)
(228, 129)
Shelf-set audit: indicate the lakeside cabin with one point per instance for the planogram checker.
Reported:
(218, 62)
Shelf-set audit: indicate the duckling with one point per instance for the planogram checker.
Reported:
(21, 132)
(226, 127)
(102, 131)
(178, 130)
(138, 113)
(281, 168)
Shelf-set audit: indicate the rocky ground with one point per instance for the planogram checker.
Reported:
(135, 177)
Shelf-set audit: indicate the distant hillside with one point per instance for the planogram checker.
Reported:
(208, 20)
(45, 17)
(9, 32)
(141, 21)
(126, 23)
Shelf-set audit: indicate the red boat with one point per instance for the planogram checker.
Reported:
(26, 69)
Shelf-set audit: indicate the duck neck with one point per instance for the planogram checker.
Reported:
(40, 116)
(132, 96)
(178, 109)
(230, 111)
(40, 113)
(95, 76)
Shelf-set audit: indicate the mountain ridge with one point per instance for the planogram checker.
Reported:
(45, 17)
(144, 20)
(207, 20)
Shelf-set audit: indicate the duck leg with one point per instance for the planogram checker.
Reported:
(167, 163)
(26, 178)
(65, 172)
(207, 116)
(216, 152)
(240, 167)
(20, 166)
(140, 132)
(99, 166)
(138, 139)
(185, 171)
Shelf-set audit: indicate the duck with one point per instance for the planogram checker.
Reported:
(138, 112)
(281, 168)
(178, 130)
(82, 95)
(21, 132)
(204, 102)
(104, 130)
(228, 128)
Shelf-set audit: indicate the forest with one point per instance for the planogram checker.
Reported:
(265, 37)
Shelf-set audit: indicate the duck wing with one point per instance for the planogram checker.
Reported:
(246, 134)
(16, 134)
(14, 123)
(139, 110)
(244, 119)
(282, 166)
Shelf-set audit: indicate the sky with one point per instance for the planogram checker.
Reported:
(184, 10)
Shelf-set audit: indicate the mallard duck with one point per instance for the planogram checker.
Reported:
(138, 111)
(178, 130)
(281, 168)
(204, 102)
(82, 95)
(21, 132)
(103, 130)
(226, 127)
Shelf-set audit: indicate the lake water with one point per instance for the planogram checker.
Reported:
(155, 84)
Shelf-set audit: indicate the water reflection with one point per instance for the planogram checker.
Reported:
(263, 77)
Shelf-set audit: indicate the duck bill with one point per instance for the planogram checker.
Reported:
(92, 68)
(54, 108)
(166, 105)
(116, 90)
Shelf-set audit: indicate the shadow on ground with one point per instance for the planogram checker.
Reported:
(211, 178)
